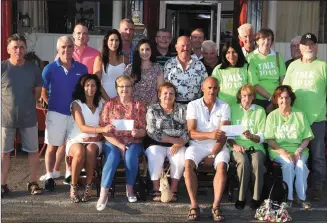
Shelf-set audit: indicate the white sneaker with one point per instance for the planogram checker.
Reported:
(55, 174)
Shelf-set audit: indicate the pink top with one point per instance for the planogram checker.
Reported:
(86, 55)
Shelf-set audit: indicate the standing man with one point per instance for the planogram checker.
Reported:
(210, 55)
(59, 79)
(21, 84)
(86, 55)
(127, 30)
(308, 78)
(295, 50)
(247, 37)
(161, 50)
(83, 53)
(205, 116)
(185, 73)
(197, 38)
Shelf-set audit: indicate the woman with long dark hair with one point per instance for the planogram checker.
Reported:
(146, 73)
(84, 139)
(110, 64)
(232, 73)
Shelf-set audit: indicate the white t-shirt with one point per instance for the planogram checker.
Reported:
(205, 121)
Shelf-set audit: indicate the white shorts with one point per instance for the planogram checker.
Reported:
(57, 127)
(198, 151)
(71, 142)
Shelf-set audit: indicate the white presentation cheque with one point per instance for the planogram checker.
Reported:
(232, 130)
(122, 124)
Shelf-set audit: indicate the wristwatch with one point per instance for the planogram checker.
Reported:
(212, 156)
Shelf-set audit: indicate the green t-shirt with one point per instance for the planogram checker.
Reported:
(288, 132)
(309, 82)
(230, 80)
(253, 119)
(265, 70)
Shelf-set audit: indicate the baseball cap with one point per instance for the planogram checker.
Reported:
(308, 36)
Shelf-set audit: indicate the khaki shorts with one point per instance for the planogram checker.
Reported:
(57, 128)
(29, 136)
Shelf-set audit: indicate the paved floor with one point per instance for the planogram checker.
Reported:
(19, 206)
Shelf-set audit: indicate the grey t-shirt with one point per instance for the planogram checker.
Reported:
(18, 108)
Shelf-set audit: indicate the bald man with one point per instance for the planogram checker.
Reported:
(205, 116)
(185, 73)
(59, 78)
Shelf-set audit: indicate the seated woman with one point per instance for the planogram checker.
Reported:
(167, 129)
(122, 143)
(84, 142)
(247, 150)
(288, 134)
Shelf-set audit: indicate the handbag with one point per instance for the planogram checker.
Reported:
(273, 211)
(166, 194)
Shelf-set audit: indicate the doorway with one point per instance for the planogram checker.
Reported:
(181, 17)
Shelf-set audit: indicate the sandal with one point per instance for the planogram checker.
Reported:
(75, 197)
(156, 195)
(175, 197)
(34, 188)
(217, 214)
(195, 216)
(4, 190)
(86, 196)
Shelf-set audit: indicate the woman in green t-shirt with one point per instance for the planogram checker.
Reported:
(232, 73)
(247, 150)
(268, 66)
(288, 134)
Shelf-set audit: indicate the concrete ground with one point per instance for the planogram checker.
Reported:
(19, 206)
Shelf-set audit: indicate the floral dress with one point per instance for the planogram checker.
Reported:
(146, 88)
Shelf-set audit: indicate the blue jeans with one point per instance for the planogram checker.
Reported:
(112, 158)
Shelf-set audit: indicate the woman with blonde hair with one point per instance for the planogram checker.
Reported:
(247, 149)
(121, 143)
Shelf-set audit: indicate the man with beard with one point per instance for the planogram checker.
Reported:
(308, 78)
(247, 37)
(185, 73)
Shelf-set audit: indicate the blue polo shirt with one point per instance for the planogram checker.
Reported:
(61, 84)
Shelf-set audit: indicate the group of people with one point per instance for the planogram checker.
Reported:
(178, 110)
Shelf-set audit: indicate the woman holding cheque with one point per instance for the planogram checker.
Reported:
(247, 149)
(288, 134)
(122, 142)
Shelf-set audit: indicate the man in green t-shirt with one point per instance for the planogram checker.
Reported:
(308, 78)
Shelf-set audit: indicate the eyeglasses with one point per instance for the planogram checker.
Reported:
(128, 86)
(164, 37)
(295, 45)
